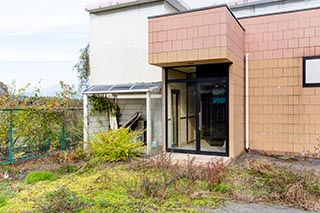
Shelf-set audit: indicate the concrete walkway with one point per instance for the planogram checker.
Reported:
(199, 158)
(253, 208)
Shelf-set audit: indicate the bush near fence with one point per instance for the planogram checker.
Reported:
(29, 133)
(31, 125)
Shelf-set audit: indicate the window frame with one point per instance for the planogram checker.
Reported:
(304, 74)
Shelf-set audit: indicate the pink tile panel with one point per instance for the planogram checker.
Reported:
(212, 28)
(294, 34)
(192, 30)
(235, 36)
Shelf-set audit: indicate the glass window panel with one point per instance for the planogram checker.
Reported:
(312, 71)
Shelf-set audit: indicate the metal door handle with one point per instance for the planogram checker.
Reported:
(200, 120)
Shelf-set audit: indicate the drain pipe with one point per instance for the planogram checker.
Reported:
(247, 100)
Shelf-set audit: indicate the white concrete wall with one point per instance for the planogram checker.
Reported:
(130, 106)
(272, 6)
(119, 45)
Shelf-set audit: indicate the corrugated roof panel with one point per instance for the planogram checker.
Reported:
(134, 87)
(121, 87)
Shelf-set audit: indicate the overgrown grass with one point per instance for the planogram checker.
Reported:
(118, 188)
(161, 185)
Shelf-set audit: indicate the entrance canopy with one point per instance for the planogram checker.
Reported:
(144, 99)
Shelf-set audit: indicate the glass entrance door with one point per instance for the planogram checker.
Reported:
(212, 117)
(197, 109)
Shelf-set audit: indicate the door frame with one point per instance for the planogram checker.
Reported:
(198, 81)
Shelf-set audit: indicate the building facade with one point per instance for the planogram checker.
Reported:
(119, 66)
(235, 82)
(213, 81)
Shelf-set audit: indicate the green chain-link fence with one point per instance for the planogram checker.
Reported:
(31, 133)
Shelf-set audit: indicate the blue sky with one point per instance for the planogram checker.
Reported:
(40, 39)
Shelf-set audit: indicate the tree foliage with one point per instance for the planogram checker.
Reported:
(83, 67)
(3, 88)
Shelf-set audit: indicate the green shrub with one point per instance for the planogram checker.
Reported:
(37, 176)
(117, 145)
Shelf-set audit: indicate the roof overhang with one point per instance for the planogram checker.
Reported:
(133, 88)
(107, 6)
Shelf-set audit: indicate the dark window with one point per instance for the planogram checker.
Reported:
(311, 71)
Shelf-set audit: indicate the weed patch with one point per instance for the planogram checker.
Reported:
(262, 181)
(4, 194)
(67, 169)
(60, 200)
(164, 180)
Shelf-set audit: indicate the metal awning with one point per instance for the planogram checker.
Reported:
(123, 88)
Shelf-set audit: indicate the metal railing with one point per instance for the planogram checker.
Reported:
(31, 133)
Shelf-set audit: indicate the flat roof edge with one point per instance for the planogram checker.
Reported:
(188, 11)
(254, 3)
(177, 5)
(95, 8)
(280, 12)
(200, 9)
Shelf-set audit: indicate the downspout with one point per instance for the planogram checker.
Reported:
(247, 100)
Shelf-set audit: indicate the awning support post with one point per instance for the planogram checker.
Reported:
(85, 121)
(149, 123)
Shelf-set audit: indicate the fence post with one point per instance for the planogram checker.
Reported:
(11, 137)
(63, 145)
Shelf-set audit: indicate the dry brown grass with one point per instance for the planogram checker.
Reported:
(262, 181)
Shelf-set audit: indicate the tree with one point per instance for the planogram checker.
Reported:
(3, 88)
(83, 68)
